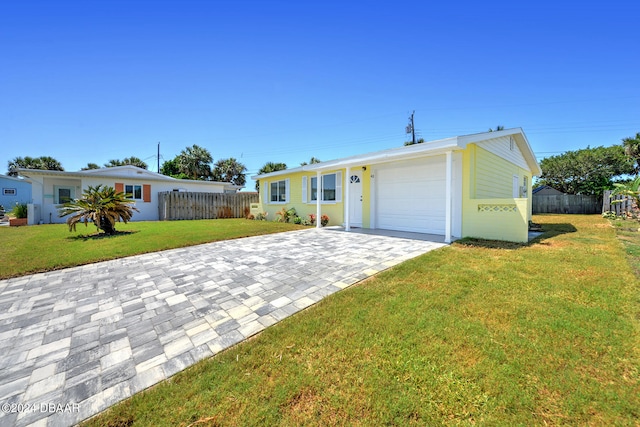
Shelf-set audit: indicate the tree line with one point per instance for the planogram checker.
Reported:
(592, 170)
(193, 163)
(584, 171)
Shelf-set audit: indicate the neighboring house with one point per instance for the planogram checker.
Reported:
(13, 190)
(467, 186)
(545, 190)
(52, 188)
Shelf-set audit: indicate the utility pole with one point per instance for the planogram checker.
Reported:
(411, 128)
(158, 156)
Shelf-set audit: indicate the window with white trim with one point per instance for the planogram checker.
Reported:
(278, 191)
(63, 194)
(133, 191)
(331, 187)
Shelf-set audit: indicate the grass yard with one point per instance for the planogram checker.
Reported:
(628, 232)
(48, 247)
(477, 333)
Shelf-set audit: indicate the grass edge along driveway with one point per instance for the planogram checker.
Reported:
(546, 334)
(34, 249)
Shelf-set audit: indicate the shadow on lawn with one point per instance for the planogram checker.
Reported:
(548, 231)
(98, 236)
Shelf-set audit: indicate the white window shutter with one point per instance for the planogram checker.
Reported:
(339, 186)
(265, 184)
(287, 190)
(304, 189)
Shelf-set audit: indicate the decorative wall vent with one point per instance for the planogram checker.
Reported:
(497, 208)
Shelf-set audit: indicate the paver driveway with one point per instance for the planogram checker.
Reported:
(75, 341)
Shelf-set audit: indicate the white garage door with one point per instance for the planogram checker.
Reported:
(410, 196)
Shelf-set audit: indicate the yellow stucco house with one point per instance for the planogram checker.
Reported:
(466, 186)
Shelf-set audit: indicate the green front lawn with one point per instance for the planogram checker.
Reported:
(477, 333)
(47, 247)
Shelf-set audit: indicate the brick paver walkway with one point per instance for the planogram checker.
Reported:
(75, 341)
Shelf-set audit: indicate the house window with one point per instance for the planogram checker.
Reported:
(9, 191)
(63, 194)
(133, 191)
(330, 188)
(278, 191)
(355, 179)
(525, 187)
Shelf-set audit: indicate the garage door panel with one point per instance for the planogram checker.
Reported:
(410, 196)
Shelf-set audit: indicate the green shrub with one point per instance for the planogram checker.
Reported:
(20, 210)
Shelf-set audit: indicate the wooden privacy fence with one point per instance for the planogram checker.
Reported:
(174, 205)
(566, 204)
(620, 208)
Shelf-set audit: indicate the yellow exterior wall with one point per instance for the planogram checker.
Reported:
(335, 210)
(489, 210)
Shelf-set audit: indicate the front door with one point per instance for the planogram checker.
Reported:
(355, 199)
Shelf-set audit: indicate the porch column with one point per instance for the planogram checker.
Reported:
(318, 197)
(347, 185)
(448, 188)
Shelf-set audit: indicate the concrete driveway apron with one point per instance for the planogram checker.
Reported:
(75, 341)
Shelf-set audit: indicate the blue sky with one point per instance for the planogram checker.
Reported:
(88, 81)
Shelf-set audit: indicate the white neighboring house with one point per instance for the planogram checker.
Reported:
(52, 188)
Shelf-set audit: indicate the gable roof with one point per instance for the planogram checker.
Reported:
(429, 148)
(120, 172)
(546, 188)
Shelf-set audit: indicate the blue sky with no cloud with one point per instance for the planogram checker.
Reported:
(89, 81)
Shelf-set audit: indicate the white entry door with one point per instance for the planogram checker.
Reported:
(355, 198)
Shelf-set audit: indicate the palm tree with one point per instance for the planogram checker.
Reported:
(230, 170)
(27, 162)
(632, 149)
(313, 161)
(194, 161)
(268, 168)
(497, 129)
(90, 166)
(102, 205)
(126, 161)
(630, 191)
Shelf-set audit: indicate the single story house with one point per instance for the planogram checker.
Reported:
(466, 186)
(52, 188)
(14, 190)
